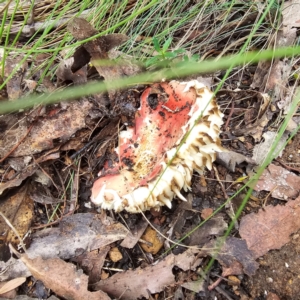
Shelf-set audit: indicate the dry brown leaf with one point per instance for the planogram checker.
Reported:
(97, 49)
(280, 70)
(179, 218)
(81, 231)
(18, 209)
(290, 13)
(27, 171)
(100, 53)
(13, 86)
(132, 238)
(231, 159)
(260, 151)
(234, 256)
(11, 285)
(62, 278)
(256, 128)
(278, 79)
(282, 183)
(19, 179)
(206, 213)
(270, 228)
(260, 75)
(195, 286)
(134, 284)
(273, 76)
(92, 263)
(59, 124)
(215, 226)
(64, 72)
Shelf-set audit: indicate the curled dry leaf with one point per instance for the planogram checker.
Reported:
(64, 72)
(95, 50)
(152, 170)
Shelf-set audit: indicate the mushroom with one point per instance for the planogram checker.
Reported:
(176, 132)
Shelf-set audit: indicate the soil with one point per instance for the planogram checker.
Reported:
(278, 273)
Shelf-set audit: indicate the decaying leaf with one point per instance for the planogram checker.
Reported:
(234, 256)
(13, 86)
(261, 150)
(132, 238)
(134, 284)
(18, 180)
(92, 262)
(255, 129)
(81, 231)
(195, 286)
(96, 50)
(282, 183)
(231, 159)
(18, 209)
(27, 171)
(60, 124)
(85, 231)
(62, 278)
(215, 226)
(10, 285)
(64, 72)
(270, 228)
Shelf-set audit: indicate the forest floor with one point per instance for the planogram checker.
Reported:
(232, 237)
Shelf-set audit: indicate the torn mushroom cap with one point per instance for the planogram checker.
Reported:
(152, 168)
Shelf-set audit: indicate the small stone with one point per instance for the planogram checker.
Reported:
(115, 254)
(154, 238)
(233, 280)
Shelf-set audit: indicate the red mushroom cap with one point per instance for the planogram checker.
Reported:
(168, 111)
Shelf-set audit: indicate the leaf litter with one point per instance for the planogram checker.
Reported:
(94, 241)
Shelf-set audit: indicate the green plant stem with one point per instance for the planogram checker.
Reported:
(182, 69)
